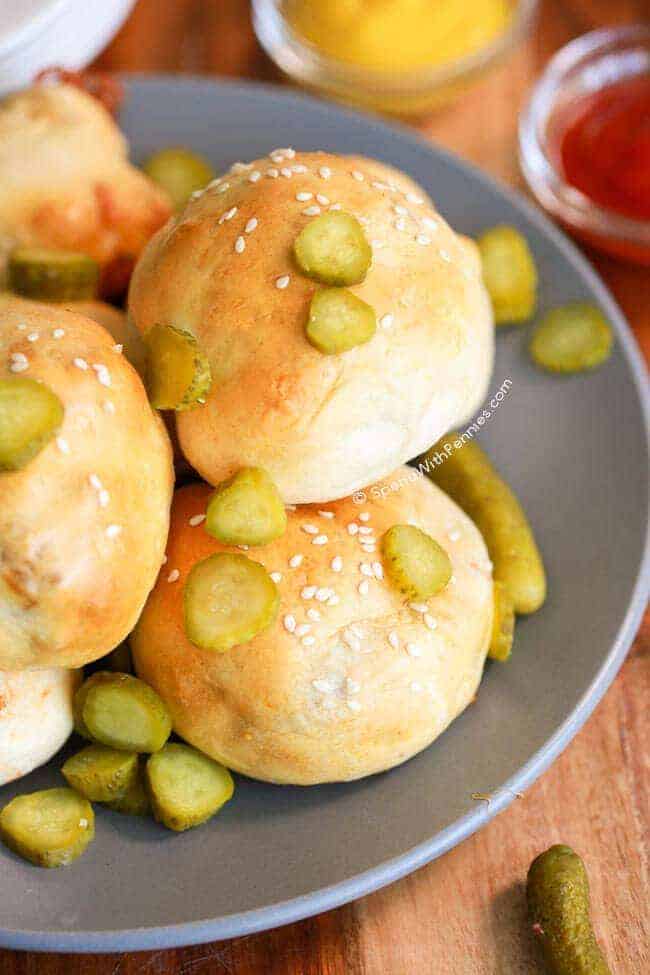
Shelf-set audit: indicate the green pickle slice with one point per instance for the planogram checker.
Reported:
(135, 801)
(51, 275)
(467, 476)
(574, 338)
(503, 625)
(246, 509)
(228, 599)
(415, 563)
(178, 373)
(123, 712)
(179, 171)
(49, 828)
(30, 415)
(333, 249)
(186, 787)
(509, 273)
(101, 774)
(339, 320)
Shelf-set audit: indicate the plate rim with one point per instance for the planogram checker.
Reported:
(389, 871)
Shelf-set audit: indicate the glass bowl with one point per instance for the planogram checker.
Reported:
(585, 66)
(403, 93)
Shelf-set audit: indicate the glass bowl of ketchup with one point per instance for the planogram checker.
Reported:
(585, 140)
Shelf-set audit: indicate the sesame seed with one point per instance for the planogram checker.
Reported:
(366, 569)
(336, 564)
(352, 686)
(413, 650)
(103, 375)
(429, 621)
(365, 530)
(378, 569)
(308, 641)
(423, 239)
(326, 514)
(240, 167)
(32, 337)
(109, 406)
(58, 333)
(364, 516)
(308, 592)
(311, 211)
(393, 639)
(326, 685)
(290, 153)
(452, 581)
(95, 482)
(295, 561)
(173, 576)
(118, 348)
(324, 172)
(430, 223)
(277, 155)
(333, 600)
(196, 520)
(276, 576)
(352, 641)
(299, 168)
(63, 445)
(368, 547)
(322, 199)
(22, 327)
(313, 614)
(282, 282)
(320, 540)
(289, 623)
(400, 210)
(323, 594)
(19, 362)
(419, 607)
(304, 196)
(386, 320)
(353, 705)
(353, 528)
(358, 176)
(272, 173)
(363, 587)
(400, 224)
(356, 629)
(254, 176)
(378, 185)
(336, 206)
(223, 187)
(113, 531)
(454, 536)
(285, 172)
(104, 498)
(309, 528)
(240, 245)
(445, 256)
(80, 364)
(291, 507)
(228, 215)
(414, 198)
(83, 823)
(244, 548)
(302, 629)
(251, 225)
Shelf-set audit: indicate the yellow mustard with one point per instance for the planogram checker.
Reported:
(399, 35)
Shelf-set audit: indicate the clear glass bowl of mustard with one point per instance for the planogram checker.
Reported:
(402, 57)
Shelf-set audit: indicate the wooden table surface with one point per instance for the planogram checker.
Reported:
(463, 914)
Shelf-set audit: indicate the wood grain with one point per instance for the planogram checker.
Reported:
(463, 914)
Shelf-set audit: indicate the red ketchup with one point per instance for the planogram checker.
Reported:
(605, 147)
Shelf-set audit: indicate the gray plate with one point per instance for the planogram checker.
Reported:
(576, 450)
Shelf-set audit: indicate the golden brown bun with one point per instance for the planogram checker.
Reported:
(120, 327)
(340, 701)
(321, 425)
(66, 182)
(35, 718)
(76, 564)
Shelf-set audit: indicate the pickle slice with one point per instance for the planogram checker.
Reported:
(509, 273)
(135, 801)
(228, 599)
(186, 788)
(101, 774)
(179, 171)
(333, 249)
(30, 415)
(415, 563)
(339, 321)
(123, 712)
(49, 828)
(178, 373)
(246, 509)
(503, 624)
(573, 338)
(51, 275)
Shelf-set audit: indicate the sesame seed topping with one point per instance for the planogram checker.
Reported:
(333, 600)
(104, 498)
(326, 685)
(445, 256)
(423, 239)
(80, 364)
(304, 196)
(324, 172)
(308, 592)
(254, 176)
(309, 528)
(454, 536)
(22, 327)
(386, 320)
(291, 507)
(419, 607)
(303, 629)
(365, 530)
(311, 211)
(228, 215)
(414, 198)
(429, 621)
(103, 375)
(289, 623)
(251, 225)
(308, 641)
(295, 561)
(323, 594)
(313, 614)
(430, 223)
(272, 173)
(118, 348)
(336, 564)
(378, 185)
(223, 187)
(326, 514)
(393, 639)
(109, 406)
(299, 168)
(240, 167)
(352, 641)
(400, 210)
(353, 705)
(353, 528)
(289, 153)
(58, 333)
(95, 482)
(363, 587)
(352, 686)
(197, 520)
(368, 547)
(322, 199)
(366, 569)
(19, 362)
(113, 531)
(63, 445)
(400, 224)
(413, 650)
(244, 548)
(358, 176)
(378, 569)
(336, 206)
(364, 516)
(320, 540)
(276, 576)
(240, 245)
(285, 171)
(32, 337)
(282, 282)
(173, 576)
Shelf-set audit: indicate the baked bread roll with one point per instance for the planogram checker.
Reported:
(117, 323)
(351, 678)
(321, 425)
(35, 718)
(83, 525)
(66, 182)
